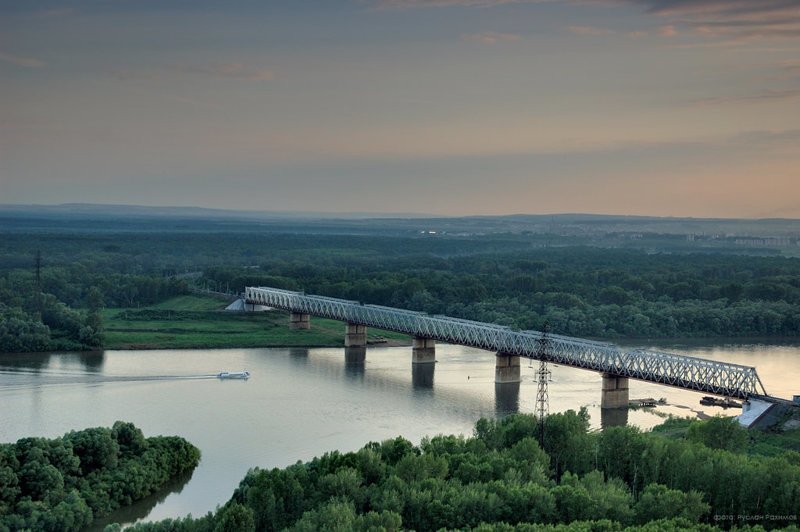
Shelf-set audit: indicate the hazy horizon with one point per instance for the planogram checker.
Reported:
(433, 107)
(201, 211)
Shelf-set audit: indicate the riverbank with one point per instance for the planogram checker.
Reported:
(200, 322)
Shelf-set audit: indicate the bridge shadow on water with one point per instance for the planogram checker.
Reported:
(353, 366)
(299, 356)
(422, 376)
(352, 363)
(613, 417)
(355, 361)
(506, 398)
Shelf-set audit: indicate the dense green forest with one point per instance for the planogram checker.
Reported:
(62, 311)
(666, 289)
(507, 476)
(604, 293)
(63, 484)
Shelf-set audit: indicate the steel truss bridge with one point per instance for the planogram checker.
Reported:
(698, 374)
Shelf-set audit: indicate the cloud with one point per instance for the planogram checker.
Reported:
(590, 31)
(231, 70)
(124, 74)
(792, 68)
(738, 8)
(54, 13)
(733, 19)
(761, 97)
(28, 62)
(411, 4)
(667, 31)
(768, 138)
(491, 37)
(238, 71)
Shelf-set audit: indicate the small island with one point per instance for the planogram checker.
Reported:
(64, 484)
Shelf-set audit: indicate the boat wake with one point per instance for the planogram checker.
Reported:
(14, 378)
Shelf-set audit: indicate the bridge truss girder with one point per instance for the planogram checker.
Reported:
(702, 375)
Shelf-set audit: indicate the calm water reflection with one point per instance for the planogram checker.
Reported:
(142, 508)
(301, 403)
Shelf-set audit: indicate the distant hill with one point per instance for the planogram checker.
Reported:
(587, 226)
(92, 209)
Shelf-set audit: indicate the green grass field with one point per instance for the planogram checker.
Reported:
(191, 321)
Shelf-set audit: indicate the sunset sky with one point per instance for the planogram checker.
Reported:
(656, 107)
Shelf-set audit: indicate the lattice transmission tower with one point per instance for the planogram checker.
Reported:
(542, 377)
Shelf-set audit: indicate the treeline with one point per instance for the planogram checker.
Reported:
(168, 247)
(508, 477)
(72, 285)
(579, 291)
(63, 484)
(518, 280)
(45, 323)
(62, 310)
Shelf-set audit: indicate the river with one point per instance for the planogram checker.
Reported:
(300, 403)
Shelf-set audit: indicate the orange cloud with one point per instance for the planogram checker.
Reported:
(668, 31)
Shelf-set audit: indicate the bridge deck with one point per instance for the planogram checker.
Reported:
(710, 376)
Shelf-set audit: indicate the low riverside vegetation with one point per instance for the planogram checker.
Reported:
(199, 322)
(63, 484)
(506, 477)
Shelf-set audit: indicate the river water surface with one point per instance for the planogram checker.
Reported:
(300, 403)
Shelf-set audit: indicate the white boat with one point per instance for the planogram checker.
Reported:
(234, 375)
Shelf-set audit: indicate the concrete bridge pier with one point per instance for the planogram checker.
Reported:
(506, 368)
(423, 350)
(298, 320)
(355, 335)
(615, 391)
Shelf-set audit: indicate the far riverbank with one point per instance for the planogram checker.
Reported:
(200, 322)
